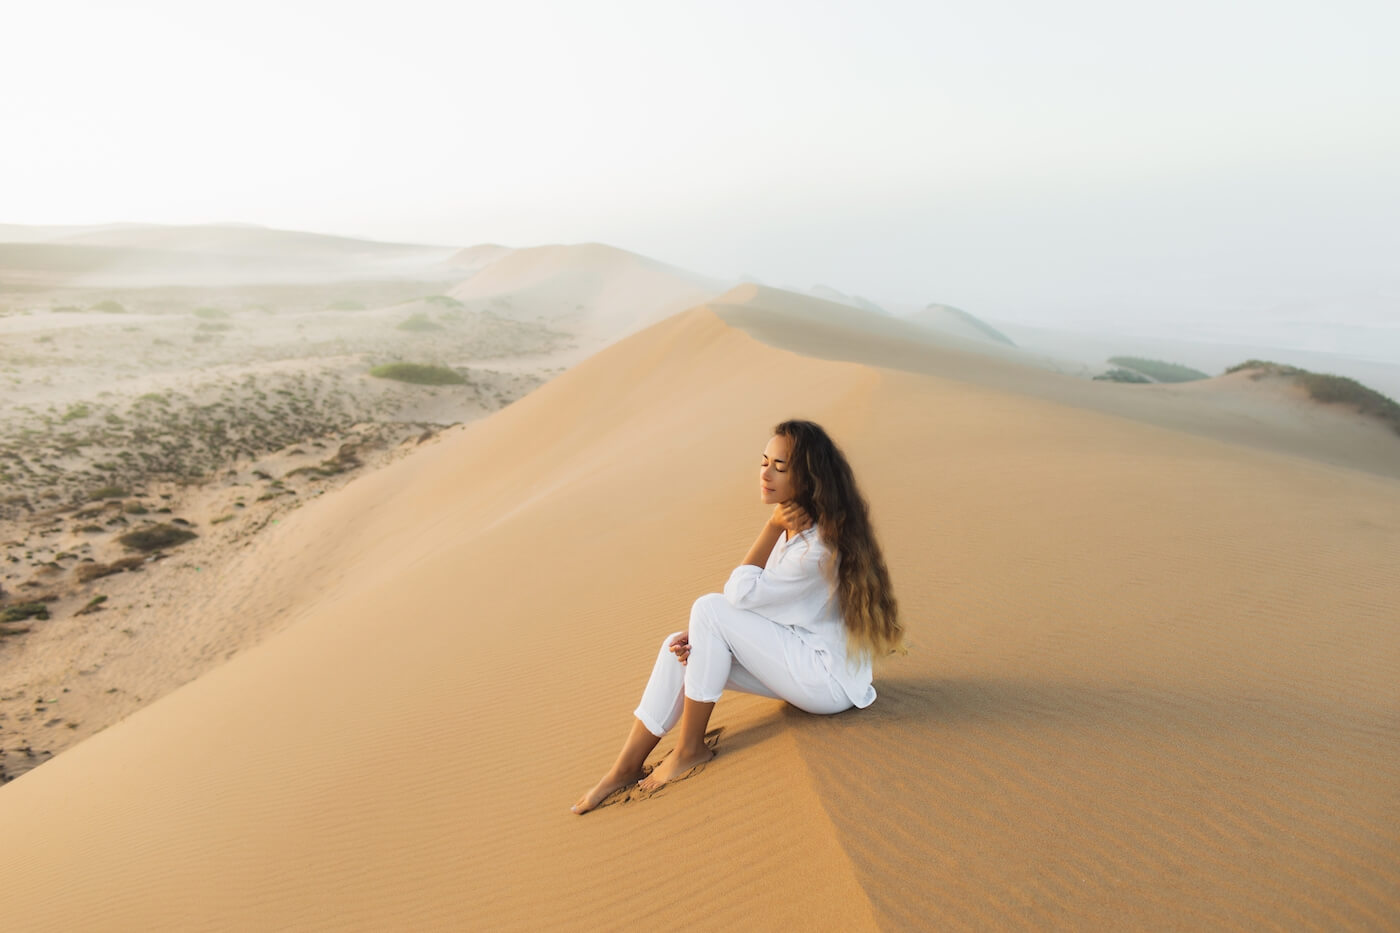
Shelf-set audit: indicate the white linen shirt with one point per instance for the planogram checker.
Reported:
(791, 591)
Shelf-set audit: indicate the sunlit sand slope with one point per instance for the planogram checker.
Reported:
(1151, 684)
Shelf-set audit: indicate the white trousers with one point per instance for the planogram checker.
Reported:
(736, 649)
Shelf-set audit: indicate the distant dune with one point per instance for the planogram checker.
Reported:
(1151, 683)
(128, 255)
(828, 293)
(956, 321)
(1274, 422)
(589, 289)
(475, 258)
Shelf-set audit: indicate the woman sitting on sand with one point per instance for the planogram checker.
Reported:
(799, 620)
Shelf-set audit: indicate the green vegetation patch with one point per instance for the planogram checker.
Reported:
(210, 314)
(1122, 375)
(108, 492)
(74, 412)
(1159, 370)
(93, 605)
(1327, 388)
(156, 536)
(22, 611)
(109, 307)
(419, 373)
(418, 322)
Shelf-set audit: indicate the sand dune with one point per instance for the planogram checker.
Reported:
(1270, 415)
(956, 321)
(828, 293)
(475, 258)
(589, 289)
(1091, 352)
(1151, 682)
(206, 254)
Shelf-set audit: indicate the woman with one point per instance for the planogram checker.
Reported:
(800, 619)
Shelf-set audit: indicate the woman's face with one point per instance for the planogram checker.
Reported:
(775, 472)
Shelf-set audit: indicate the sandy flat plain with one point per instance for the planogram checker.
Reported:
(1151, 679)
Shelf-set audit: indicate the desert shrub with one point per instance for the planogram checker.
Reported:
(155, 536)
(93, 605)
(86, 572)
(1157, 369)
(74, 412)
(213, 325)
(108, 492)
(135, 508)
(445, 301)
(1122, 375)
(419, 373)
(418, 322)
(210, 314)
(109, 306)
(22, 611)
(346, 458)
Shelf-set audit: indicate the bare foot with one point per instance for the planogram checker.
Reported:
(675, 766)
(603, 788)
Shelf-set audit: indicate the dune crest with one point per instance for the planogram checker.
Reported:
(589, 289)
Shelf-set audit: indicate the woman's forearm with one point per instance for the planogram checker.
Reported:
(763, 545)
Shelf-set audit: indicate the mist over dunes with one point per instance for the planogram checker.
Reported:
(213, 254)
(1152, 666)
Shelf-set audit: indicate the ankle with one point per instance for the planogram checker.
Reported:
(695, 750)
(621, 771)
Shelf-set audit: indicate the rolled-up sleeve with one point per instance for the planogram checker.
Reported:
(789, 583)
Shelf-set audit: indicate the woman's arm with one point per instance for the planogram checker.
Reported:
(788, 515)
(763, 545)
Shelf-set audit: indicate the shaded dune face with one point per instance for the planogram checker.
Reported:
(1150, 682)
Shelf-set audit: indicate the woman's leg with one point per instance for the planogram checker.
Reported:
(655, 715)
(625, 771)
(742, 650)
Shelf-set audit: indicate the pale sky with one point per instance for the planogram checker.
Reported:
(1022, 159)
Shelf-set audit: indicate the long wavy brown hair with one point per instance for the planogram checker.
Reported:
(826, 489)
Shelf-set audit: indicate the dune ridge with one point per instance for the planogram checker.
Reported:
(1150, 683)
(1271, 415)
(589, 289)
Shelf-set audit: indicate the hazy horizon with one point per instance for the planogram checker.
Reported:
(1235, 167)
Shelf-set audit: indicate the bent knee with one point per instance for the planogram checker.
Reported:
(700, 609)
